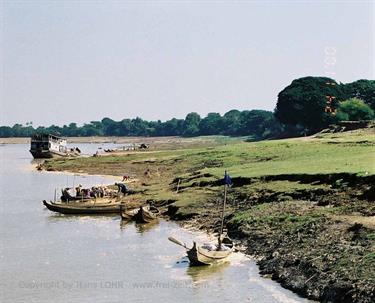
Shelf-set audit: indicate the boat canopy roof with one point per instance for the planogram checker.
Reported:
(45, 137)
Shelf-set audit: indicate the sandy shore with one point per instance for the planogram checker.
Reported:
(118, 140)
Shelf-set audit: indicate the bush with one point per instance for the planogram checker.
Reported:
(354, 109)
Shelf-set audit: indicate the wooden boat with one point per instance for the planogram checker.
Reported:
(146, 214)
(208, 254)
(86, 208)
(203, 255)
(128, 215)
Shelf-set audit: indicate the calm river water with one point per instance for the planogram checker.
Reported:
(46, 257)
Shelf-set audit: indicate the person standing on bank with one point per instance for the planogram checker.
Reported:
(122, 188)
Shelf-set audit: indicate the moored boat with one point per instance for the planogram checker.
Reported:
(208, 253)
(110, 207)
(50, 146)
(128, 215)
(146, 214)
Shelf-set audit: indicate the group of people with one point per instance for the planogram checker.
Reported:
(93, 192)
(100, 191)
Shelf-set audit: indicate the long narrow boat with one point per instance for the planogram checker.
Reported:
(84, 208)
(146, 215)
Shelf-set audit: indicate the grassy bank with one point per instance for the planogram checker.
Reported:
(304, 206)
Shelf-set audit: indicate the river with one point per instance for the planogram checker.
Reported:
(47, 257)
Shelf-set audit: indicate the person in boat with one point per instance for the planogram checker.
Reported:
(66, 195)
(97, 192)
(122, 188)
(79, 190)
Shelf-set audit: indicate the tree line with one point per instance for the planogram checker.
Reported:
(257, 123)
(305, 106)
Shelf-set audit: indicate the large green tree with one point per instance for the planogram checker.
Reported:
(302, 104)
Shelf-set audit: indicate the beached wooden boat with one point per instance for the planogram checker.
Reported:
(86, 208)
(207, 253)
(203, 255)
(146, 214)
(128, 215)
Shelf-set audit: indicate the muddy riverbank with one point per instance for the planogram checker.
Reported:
(318, 255)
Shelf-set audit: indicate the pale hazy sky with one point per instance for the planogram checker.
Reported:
(78, 61)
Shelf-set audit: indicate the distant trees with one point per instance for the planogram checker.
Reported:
(191, 125)
(232, 123)
(354, 109)
(258, 124)
(211, 125)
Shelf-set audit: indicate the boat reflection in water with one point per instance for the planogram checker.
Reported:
(143, 228)
(140, 228)
(201, 274)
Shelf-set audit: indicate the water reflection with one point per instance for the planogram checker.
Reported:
(55, 217)
(140, 228)
(145, 227)
(201, 274)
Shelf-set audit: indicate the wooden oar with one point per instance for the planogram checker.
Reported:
(175, 241)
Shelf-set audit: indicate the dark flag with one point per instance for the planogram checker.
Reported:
(227, 179)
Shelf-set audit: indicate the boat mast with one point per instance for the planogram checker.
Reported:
(223, 210)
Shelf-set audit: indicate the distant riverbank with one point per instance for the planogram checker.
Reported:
(119, 140)
(161, 142)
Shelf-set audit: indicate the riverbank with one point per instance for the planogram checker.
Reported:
(304, 207)
(153, 142)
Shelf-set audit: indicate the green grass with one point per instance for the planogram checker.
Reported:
(205, 162)
(294, 157)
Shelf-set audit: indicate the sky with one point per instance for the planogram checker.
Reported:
(81, 61)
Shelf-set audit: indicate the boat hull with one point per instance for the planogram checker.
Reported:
(83, 209)
(144, 216)
(200, 256)
(128, 215)
(48, 154)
